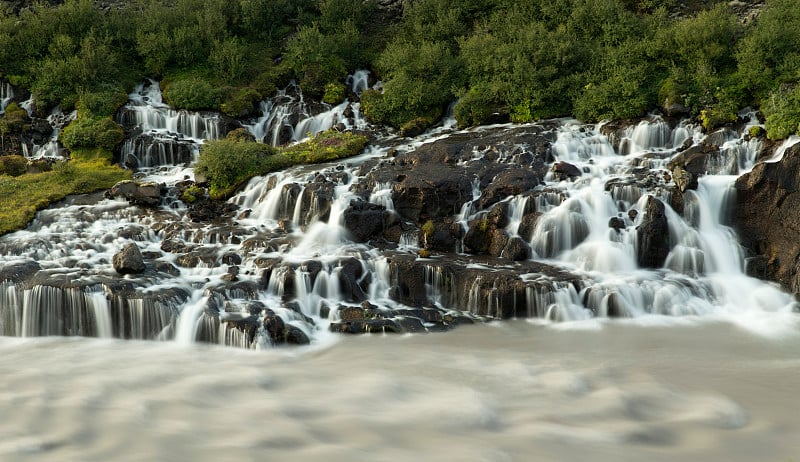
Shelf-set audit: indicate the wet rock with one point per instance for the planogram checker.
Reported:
(207, 210)
(653, 235)
(350, 278)
(616, 223)
(767, 217)
(510, 182)
(479, 237)
(516, 250)
(528, 224)
(499, 239)
(365, 220)
(144, 194)
(440, 235)
(565, 171)
(129, 260)
(19, 272)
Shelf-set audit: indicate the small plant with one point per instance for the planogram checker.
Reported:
(65, 168)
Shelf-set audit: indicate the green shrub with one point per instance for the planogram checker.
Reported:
(13, 165)
(229, 163)
(334, 93)
(783, 113)
(14, 121)
(92, 132)
(241, 102)
(192, 93)
(65, 169)
(101, 103)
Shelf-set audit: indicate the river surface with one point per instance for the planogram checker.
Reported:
(648, 389)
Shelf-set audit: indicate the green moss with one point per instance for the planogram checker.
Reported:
(14, 121)
(427, 229)
(25, 194)
(756, 131)
(192, 194)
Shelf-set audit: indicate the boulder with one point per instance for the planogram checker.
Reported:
(144, 194)
(565, 171)
(129, 260)
(365, 220)
(652, 245)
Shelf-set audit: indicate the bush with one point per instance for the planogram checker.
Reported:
(14, 121)
(192, 93)
(92, 132)
(241, 102)
(101, 103)
(13, 165)
(783, 113)
(334, 93)
(229, 163)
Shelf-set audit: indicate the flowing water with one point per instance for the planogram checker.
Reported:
(702, 368)
(618, 391)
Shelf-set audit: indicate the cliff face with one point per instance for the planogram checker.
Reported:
(767, 218)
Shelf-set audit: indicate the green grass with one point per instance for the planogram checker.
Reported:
(22, 196)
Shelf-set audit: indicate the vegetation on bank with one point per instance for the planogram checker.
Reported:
(520, 60)
(24, 194)
(228, 164)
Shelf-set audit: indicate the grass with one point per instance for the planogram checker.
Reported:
(22, 196)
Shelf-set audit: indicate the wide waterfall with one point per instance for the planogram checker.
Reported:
(641, 317)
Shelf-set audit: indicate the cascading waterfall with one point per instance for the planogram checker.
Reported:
(287, 270)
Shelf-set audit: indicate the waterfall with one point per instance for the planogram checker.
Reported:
(289, 269)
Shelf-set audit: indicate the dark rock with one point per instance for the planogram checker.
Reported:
(19, 272)
(653, 235)
(516, 250)
(510, 182)
(144, 194)
(440, 235)
(365, 220)
(350, 277)
(565, 171)
(767, 217)
(129, 260)
(616, 223)
(528, 224)
(498, 241)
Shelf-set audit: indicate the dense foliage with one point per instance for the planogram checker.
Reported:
(227, 164)
(501, 59)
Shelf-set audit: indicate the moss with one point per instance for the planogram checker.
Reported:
(23, 195)
(427, 229)
(192, 194)
(756, 131)
(415, 126)
(424, 253)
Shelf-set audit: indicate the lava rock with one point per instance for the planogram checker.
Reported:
(653, 235)
(144, 194)
(365, 220)
(565, 171)
(129, 260)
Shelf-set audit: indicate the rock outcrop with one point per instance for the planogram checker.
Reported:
(767, 217)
